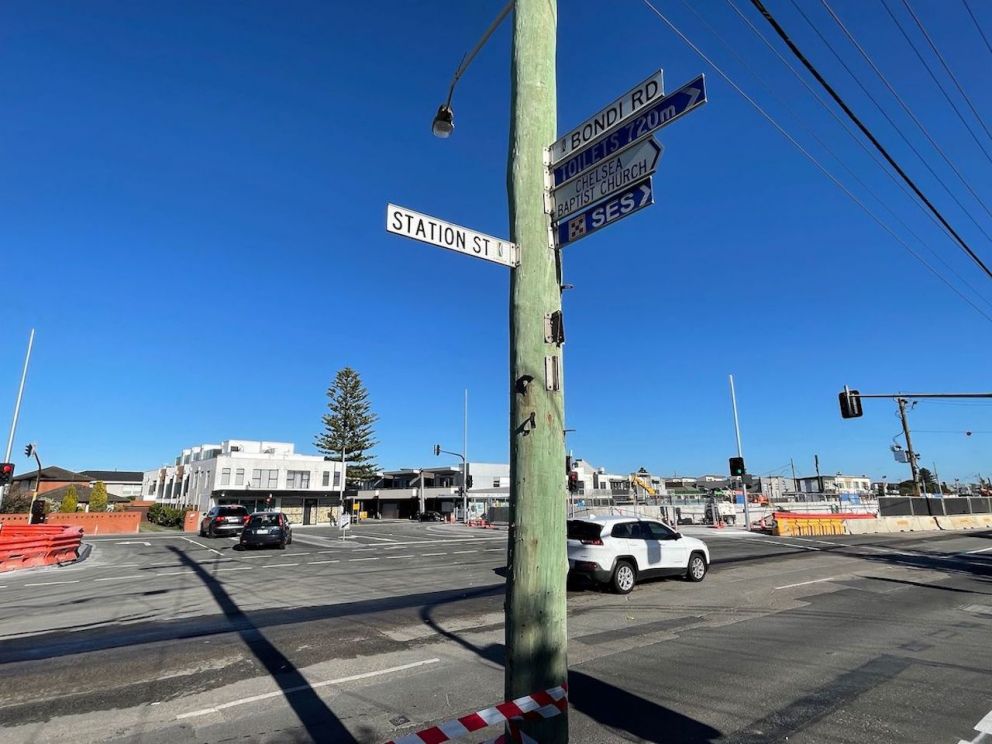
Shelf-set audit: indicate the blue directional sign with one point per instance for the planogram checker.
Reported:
(622, 204)
(650, 119)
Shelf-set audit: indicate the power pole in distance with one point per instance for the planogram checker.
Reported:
(535, 585)
(909, 447)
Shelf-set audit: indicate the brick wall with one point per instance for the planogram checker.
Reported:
(110, 523)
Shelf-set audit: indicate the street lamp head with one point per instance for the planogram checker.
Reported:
(444, 123)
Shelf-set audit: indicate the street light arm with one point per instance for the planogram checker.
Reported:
(456, 454)
(467, 59)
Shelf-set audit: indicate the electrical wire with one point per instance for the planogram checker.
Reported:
(846, 126)
(814, 161)
(933, 76)
(974, 20)
(905, 107)
(868, 133)
(947, 69)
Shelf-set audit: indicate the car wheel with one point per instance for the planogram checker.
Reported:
(282, 545)
(202, 533)
(211, 533)
(696, 570)
(624, 578)
(289, 540)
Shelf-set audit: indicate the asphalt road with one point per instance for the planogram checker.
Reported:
(172, 639)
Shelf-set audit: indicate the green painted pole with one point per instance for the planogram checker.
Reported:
(535, 604)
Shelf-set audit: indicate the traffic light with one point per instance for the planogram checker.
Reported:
(573, 482)
(6, 472)
(28, 450)
(437, 450)
(469, 482)
(737, 467)
(850, 403)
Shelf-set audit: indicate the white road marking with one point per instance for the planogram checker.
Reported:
(119, 578)
(236, 568)
(202, 546)
(317, 563)
(983, 727)
(395, 557)
(353, 560)
(369, 537)
(53, 583)
(980, 550)
(463, 552)
(174, 573)
(775, 542)
(822, 542)
(430, 555)
(289, 690)
(804, 583)
(495, 550)
(135, 542)
(280, 565)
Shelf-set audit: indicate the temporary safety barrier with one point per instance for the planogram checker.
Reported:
(798, 524)
(26, 546)
(546, 704)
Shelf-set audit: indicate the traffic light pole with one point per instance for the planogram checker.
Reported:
(740, 453)
(17, 410)
(537, 565)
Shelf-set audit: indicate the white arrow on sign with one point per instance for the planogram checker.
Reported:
(606, 178)
(624, 107)
(427, 229)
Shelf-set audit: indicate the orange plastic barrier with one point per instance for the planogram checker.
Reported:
(25, 546)
(798, 524)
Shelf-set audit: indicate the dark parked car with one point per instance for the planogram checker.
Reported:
(428, 516)
(267, 528)
(223, 520)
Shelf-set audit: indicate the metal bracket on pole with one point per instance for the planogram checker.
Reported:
(548, 206)
(552, 377)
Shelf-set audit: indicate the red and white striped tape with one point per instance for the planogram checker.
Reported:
(546, 704)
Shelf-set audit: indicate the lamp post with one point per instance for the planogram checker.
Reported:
(464, 488)
(30, 450)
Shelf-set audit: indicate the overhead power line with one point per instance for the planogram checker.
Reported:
(974, 20)
(905, 107)
(946, 67)
(859, 141)
(867, 132)
(814, 161)
(933, 76)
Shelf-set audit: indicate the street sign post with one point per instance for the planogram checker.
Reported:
(433, 231)
(599, 182)
(623, 204)
(662, 112)
(623, 108)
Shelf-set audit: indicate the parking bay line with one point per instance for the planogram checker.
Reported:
(395, 557)
(980, 550)
(280, 565)
(318, 563)
(430, 555)
(804, 583)
(353, 560)
(463, 552)
(236, 568)
(205, 547)
(119, 578)
(300, 688)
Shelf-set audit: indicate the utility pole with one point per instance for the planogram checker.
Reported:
(909, 446)
(465, 463)
(535, 586)
(740, 453)
(795, 483)
(17, 409)
(936, 477)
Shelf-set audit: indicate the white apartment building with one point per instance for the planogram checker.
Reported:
(836, 485)
(258, 475)
(397, 494)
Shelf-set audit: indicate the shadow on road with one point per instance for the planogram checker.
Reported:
(319, 721)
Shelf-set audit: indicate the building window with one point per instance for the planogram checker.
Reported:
(225, 476)
(273, 481)
(325, 479)
(297, 479)
(239, 477)
(337, 478)
(256, 478)
(151, 488)
(495, 482)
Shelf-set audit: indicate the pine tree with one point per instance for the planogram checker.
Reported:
(98, 497)
(349, 425)
(69, 501)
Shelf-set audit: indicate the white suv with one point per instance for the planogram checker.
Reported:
(621, 550)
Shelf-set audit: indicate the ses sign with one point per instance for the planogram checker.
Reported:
(613, 174)
(443, 234)
(614, 209)
(625, 106)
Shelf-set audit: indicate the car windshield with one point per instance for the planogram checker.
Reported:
(265, 520)
(232, 511)
(580, 530)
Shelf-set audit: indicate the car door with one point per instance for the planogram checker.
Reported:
(671, 551)
(627, 540)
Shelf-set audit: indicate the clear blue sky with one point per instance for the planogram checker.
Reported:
(192, 203)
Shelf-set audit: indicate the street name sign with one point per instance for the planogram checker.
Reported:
(611, 175)
(625, 203)
(660, 113)
(623, 108)
(427, 229)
